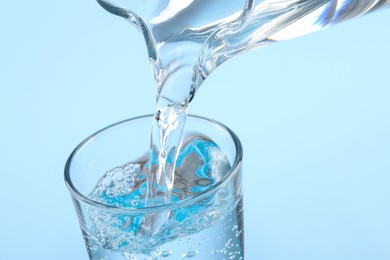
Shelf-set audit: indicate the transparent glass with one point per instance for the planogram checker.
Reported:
(204, 221)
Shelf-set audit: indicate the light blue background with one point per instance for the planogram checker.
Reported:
(312, 114)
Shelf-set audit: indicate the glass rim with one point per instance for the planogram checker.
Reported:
(158, 208)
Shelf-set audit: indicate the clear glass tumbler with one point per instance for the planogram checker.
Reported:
(106, 176)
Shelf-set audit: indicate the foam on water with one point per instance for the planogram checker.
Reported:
(201, 164)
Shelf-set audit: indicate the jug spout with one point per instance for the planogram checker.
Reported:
(175, 32)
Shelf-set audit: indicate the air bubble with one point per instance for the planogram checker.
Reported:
(130, 179)
(119, 176)
(110, 193)
(101, 238)
(190, 254)
(130, 256)
(128, 190)
(108, 182)
(136, 167)
(166, 253)
(204, 182)
(229, 243)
